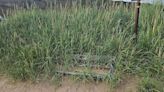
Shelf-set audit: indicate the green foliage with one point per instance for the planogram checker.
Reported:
(33, 42)
(150, 85)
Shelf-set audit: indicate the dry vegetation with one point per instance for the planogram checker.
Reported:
(34, 42)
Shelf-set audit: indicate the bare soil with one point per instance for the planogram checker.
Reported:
(128, 84)
(67, 85)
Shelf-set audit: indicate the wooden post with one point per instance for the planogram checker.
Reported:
(137, 13)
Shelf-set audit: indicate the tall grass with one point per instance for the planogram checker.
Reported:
(33, 42)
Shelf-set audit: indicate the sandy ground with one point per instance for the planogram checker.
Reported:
(66, 85)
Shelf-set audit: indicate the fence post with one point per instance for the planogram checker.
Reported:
(137, 13)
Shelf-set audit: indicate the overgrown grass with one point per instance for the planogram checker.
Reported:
(33, 42)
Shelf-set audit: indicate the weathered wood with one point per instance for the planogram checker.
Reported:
(10, 4)
(89, 75)
(137, 18)
(97, 72)
(44, 3)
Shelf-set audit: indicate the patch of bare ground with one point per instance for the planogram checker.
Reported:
(66, 85)
(128, 84)
(82, 86)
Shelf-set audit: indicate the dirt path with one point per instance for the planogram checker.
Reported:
(66, 86)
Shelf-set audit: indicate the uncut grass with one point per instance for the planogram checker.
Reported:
(33, 42)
